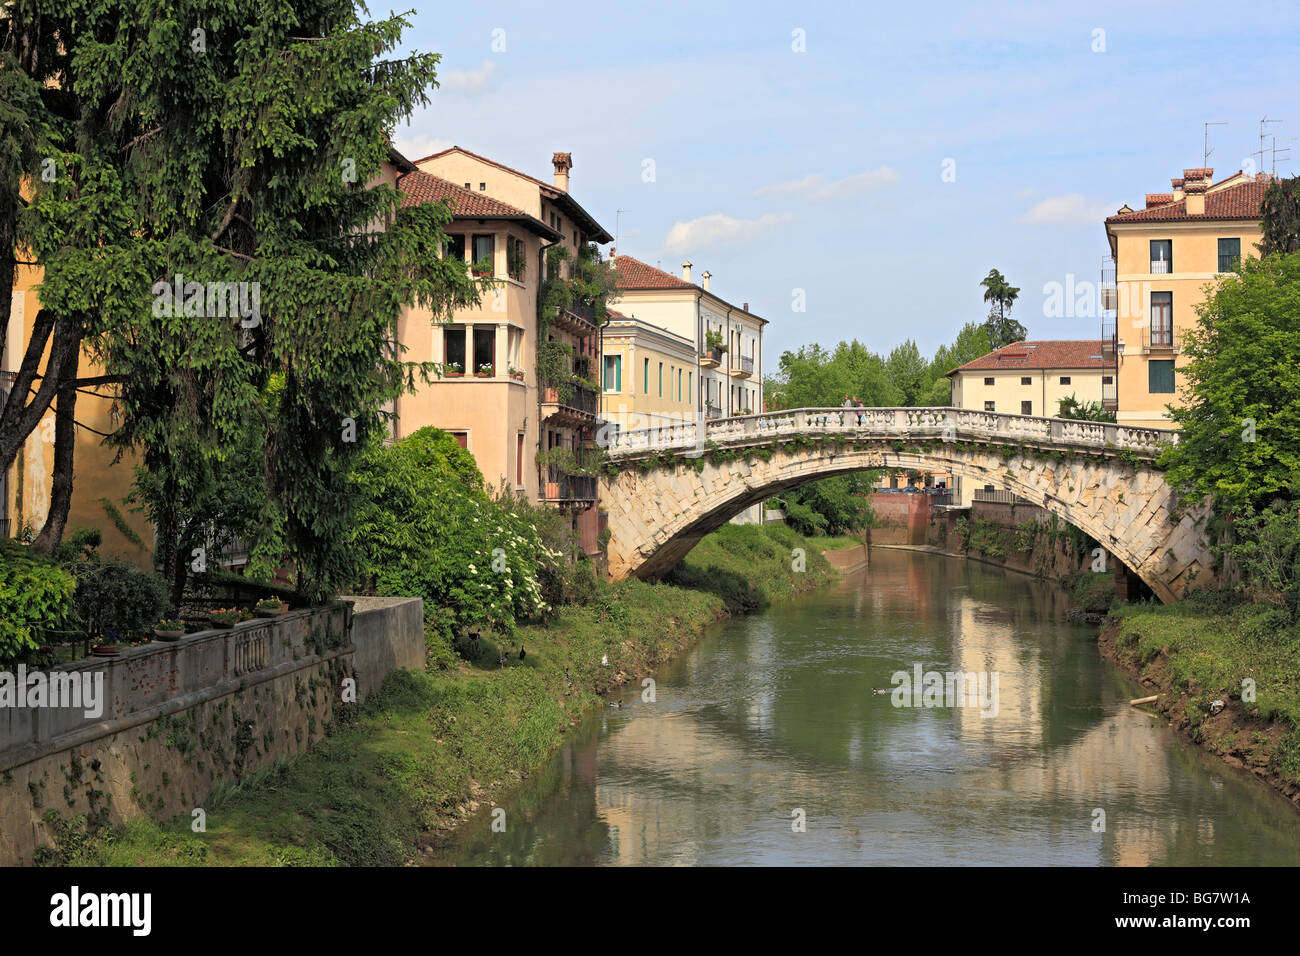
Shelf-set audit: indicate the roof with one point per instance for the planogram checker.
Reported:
(1236, 200)
(595, 230)
(636, 276)
(421, 187)
(1044, 354)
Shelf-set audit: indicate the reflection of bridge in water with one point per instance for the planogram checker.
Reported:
(677, 483)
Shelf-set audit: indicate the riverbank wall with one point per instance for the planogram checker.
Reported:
(182, 719)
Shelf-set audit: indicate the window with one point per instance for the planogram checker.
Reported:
(988, 380)
(453, 349)
(645, 377)
(613, 373)
(989, 407)
(485, 343)
(1162, 256)
(1065, 380)
(679, 385)
(1160, 376)
(1026, 380)
(519, 459)
(482, 187)
(516, 261)
(1229, 254)
(484, 255)
(690, 386)
(462, 439)
(455, 248)
(1162, 318)
(661, 379)
(1026, 408)
(1108, 380)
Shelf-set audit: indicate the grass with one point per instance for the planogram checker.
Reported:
(1209, 653)
(412, 762)
(834, 542)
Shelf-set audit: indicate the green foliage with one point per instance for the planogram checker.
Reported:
(1266, 547)
(830, 506)
(908, 371)
(251, 163)
(1240, 438)
(426, 527)
(35, 593)
(1280, 217)
(1070, 407)
(1001, 294)
(116, 600)
(1094, 592)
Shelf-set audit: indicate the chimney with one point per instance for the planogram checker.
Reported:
(686, 270)
(706, 276)
(1195, 193)
(1178, 189)
(562, 162)
(745, 306)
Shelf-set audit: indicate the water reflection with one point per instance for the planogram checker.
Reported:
(774, 714)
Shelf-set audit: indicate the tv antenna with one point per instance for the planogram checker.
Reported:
(618, 215)
(1261, 140)
(1205, 161)
(1284, 150)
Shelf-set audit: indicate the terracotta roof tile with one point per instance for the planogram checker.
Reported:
(1237, 201)
(1046, 354)
(421, 187)
(635, 274)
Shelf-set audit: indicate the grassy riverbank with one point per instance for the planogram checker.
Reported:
(1193, 655)
(431, 746)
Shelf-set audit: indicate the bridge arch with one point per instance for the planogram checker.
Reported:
(670, 490)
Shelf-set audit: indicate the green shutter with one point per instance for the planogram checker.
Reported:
(1160, 376)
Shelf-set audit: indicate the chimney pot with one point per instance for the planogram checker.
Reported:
(686, 270)
(706, 276)
(562, 162)
(745, 306)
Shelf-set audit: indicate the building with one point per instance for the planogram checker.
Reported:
(1029, 378)
(1162, 257)
(520, 394)
(680, 353)
(726, 343)
(649, 374)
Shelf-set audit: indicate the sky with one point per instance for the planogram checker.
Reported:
(868, 163)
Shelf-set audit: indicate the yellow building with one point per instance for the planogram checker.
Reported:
(720, 373)
(491, 397)
(649, 376)
(1029, 378)
(1164, 255)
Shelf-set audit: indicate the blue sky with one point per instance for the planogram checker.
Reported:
(821, 170)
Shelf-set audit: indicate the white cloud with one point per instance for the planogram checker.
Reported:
(417, 147)
(1069, 210)
(815, 187)
(469, 81)
(715, 229)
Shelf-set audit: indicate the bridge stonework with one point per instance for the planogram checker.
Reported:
(671, 490)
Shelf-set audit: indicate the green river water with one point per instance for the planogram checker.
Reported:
(774, 713)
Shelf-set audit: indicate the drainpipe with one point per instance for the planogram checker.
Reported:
(541, 259)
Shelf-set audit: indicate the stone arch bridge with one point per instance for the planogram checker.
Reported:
(677, 483)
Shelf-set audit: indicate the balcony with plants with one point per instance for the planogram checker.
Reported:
(570, 475)
(576, 290)
(713, 349)
(570, 393)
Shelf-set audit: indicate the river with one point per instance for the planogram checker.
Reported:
(771, 722)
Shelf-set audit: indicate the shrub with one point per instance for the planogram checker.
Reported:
(116, 599)
(1094, 592)
(35, 593)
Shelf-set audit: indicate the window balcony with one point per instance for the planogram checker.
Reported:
(712, 411)
(742, 366)
(570, 404)
(712, 358)
(1161, 267)
(560, 488)
(1109, 397)
(1159, 338)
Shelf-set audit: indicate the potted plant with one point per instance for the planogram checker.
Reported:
(483, 268)
(453, 370)
(485, 370)
(516, 373)
(108, 645)
(224, 617)
(270, 607)
(169, 629)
